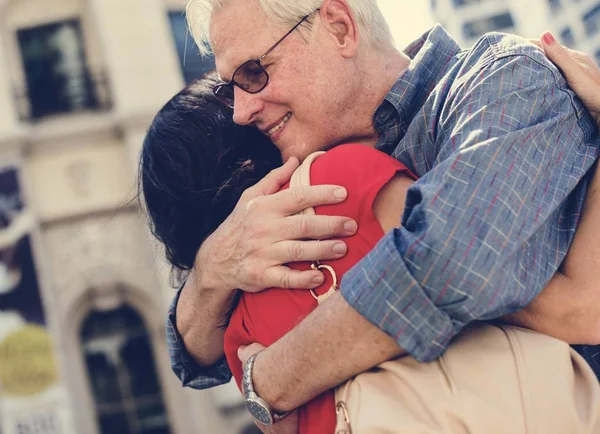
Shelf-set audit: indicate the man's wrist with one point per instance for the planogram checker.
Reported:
(262, 385)
(204, 272)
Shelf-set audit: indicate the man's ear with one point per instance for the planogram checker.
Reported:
(340, 22)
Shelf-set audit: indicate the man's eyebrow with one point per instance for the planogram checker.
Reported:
(227, 79)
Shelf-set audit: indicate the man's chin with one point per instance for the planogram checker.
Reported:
(299, 151)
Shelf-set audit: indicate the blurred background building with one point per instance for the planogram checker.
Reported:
(575, 22)
(83, 288)
(82, 297)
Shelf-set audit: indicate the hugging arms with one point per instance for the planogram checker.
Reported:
(365, 346)
(560, 299)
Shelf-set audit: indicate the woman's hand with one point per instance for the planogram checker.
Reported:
(581, 72)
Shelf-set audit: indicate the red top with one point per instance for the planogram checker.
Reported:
(266, 316)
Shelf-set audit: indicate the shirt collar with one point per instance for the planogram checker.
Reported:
(432, 55)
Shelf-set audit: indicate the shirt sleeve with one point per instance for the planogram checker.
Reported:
(487, 227)
(184, 366)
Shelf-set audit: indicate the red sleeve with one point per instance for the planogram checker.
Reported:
(362, 170)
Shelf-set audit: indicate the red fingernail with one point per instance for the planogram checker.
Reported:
(548, 38)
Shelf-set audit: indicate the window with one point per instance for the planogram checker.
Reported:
(467, 2)
(193, 65)
(591, 21)
(566, 37)
(57, 77)
(554, 5)
(122, 373)
(475, 29)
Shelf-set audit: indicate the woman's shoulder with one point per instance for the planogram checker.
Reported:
(358, 153)
(352, 164)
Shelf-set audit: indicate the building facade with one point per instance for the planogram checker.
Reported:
(575, 22)
(467, 20)
(83, 287)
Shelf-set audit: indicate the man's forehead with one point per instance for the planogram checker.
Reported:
(239, 34)
(230, 52)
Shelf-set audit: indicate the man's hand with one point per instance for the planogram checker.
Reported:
(249, 251)
(582, 74)
(334, 343)
(263, 233)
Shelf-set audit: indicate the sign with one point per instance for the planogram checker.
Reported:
(33, 400)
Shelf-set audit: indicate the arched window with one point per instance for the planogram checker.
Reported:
(122, 373)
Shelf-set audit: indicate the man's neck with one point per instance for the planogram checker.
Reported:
(379, 76)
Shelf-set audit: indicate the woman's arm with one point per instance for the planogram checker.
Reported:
(569, 307)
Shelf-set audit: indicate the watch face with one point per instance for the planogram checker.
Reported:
(259, 411)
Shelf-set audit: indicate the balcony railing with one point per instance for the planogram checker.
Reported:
(68, 93)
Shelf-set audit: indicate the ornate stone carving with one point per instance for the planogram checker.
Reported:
(100, 252)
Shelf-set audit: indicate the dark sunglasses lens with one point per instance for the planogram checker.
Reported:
(251, 77)
(225, 93)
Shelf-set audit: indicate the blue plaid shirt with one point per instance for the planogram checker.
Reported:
(502, 148)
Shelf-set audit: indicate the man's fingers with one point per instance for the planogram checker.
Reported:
(296, 199)
(317, 227)
(298, 251)
(284, 277)
(276, 179)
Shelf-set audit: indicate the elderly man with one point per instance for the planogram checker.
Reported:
(499, 142)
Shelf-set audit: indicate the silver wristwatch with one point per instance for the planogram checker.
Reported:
(259, 409)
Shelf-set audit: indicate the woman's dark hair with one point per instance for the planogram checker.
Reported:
(194, 166)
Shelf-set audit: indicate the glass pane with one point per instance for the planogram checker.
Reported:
(103, 377)
(55, 67)
(111, 323)
(138, 358)
(163, 430)
(115, 424)
(153, 418)
(193, 64)
(122, 371)
(496, 23)
(591, 21)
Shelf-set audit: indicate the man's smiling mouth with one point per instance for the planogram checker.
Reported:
(280, 125)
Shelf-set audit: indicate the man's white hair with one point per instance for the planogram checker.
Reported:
(370, 20)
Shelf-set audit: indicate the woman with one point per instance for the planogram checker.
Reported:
(194, 167)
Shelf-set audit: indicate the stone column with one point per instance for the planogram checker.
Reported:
(139, 54)
(8, 104)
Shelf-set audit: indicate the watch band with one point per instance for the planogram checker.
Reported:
(247, 377)
(254, 403)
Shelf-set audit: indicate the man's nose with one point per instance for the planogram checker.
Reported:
(246, 107)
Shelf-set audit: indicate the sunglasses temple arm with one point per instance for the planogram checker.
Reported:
(283, 38)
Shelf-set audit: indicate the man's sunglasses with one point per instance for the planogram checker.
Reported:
(251, 76)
